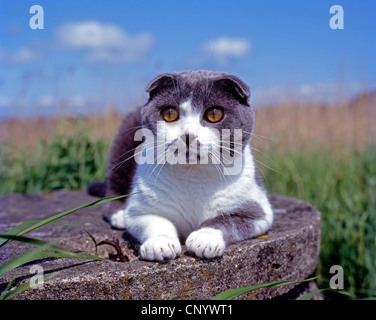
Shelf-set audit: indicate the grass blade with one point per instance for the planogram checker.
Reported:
(311, 294)
(39, 253)
(63, 214)
(23, 258)
(76, 226)
(32, 241)
(232, 293)
(57, 250)
(17, 229)
(56, 217)
(8, 294)
(26, 224)
(172, 294)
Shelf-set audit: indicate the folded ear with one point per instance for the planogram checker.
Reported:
(160, 82)
(235, 85)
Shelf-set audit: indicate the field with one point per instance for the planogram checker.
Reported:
(321, 154)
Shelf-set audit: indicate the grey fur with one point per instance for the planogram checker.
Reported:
(238, 225)
(205, 89)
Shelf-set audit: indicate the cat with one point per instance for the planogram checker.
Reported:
(188, 192)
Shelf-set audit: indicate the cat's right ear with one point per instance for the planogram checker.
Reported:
(159, 83)
(234, 84)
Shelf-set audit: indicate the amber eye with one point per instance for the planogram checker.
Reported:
(170, 114)
(214, 114)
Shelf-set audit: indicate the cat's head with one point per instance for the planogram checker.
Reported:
(194, 113)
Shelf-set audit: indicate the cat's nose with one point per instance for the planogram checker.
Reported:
(188, 138)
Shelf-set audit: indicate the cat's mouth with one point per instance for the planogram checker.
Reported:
(194, 153)
(185, 153)
(191, 156)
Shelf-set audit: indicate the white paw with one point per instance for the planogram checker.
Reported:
(117, 219)
(206, 243)
(160, 248)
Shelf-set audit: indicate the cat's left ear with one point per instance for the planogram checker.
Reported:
(237, 86)
(160, 82)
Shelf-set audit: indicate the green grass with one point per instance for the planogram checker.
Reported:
(343, 188)
(43, 249)
(68, 162)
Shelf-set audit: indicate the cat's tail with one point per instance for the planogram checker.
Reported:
(97, 189)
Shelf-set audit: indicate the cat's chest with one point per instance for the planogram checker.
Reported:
(189, 198)
(183, 190)
(187, 202)
(196, 193)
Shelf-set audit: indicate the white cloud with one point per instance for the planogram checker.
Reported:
(46, 100)
(90, 35)
(326, 91)
(23, 55)
(222, 49)
(104, 42)
(4, 101)
(306, 89)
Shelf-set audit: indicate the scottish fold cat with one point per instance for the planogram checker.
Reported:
(185, 157)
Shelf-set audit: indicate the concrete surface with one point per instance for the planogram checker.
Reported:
(289, 251)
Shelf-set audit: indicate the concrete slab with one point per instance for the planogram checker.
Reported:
(290, 251)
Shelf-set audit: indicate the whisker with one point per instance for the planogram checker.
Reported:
(264, 179)
(130, 150)
(233, 150)
(262, 153)
(267, 157)
(156, 165)
(259, 162)
(115, 167)
(270, 168)
(218, 167)
(262, 137)
(130, 128)
(162, 166)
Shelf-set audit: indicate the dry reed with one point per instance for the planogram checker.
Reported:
(283, 128)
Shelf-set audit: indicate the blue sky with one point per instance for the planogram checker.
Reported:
(95, 54)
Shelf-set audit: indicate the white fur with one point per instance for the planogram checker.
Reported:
(171, 201)
(189, 123)
(160, 248)
(206, 243)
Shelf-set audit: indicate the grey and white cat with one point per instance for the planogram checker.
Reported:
(186, 196)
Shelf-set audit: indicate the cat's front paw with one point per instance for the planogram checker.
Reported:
(206, 243)
(117, 219)
(160, 248)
